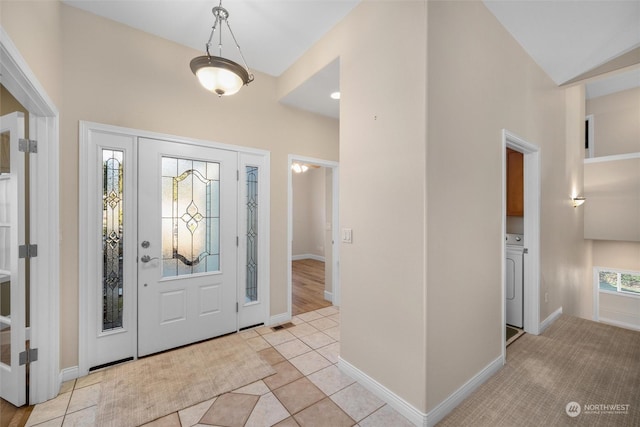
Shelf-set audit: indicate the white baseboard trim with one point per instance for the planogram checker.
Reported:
(413, 414)
(279, 318)
(449, 404)
(307, 256)
(619, 324)
(328, 296)
(549, 320)
(68, 374)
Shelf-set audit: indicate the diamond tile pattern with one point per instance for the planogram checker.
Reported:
(307, 389)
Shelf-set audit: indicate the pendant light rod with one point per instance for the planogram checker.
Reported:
(220, 75)
(221, 14)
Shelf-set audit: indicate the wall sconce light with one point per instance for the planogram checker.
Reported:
(578, 201)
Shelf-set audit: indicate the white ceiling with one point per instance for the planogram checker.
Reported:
(569, 38)
(566, 38)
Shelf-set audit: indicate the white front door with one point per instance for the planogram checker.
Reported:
(174, 243)
(187, 238)
(12, 266)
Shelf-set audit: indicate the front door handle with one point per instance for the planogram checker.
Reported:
(146, 258)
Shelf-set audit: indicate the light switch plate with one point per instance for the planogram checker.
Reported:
(347, 235)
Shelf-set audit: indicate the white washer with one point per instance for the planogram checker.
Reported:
(514, 282)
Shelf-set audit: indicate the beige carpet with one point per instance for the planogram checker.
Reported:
(142, 391)
(575, 360)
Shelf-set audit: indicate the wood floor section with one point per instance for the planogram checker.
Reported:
(10, 416)
(308, 286)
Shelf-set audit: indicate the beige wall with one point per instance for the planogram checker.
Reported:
(622, 255)
(612, 209)
(616, 122)
(35, 29)
(382, 195)
(308, 213)
(382, 188)
(406, 165)
(481, 81)
(612, 189)
(112, 74)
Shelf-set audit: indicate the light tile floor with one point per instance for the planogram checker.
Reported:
(307, 389)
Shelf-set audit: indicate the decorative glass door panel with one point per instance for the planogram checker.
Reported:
(251, 294)
(190, 217)
(112, 238)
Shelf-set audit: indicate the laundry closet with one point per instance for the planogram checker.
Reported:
(514, 263)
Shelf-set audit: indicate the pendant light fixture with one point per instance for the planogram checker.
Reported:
(215, 73)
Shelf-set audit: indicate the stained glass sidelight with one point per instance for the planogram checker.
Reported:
(112, 238)
(190, 216)
(252, 234)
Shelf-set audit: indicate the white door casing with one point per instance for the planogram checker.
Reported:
(187, 228)
(531, 261)
(123, 343)
(335, 228)
(12, 267)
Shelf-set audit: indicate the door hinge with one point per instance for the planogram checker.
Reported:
(28, 356)
(27, 145)
(236, 307)
(27, 251)
(237, 175)
(525, 250)
(237, 241)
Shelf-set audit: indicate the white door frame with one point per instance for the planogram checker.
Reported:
(335, 226)
(85, 129)
(44, 331)
(531, 231)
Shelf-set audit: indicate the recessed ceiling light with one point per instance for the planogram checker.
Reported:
(335, 95)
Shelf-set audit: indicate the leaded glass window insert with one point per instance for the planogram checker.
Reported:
(252, 234)
(112, 238)
(190, 216)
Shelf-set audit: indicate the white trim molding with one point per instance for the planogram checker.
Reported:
(532, 179)
(406, 409)
(450, 403)
(44, 302)
(328, 296)
(279, 318)
(612, 158)
(307, 256)
(619, 324)
(335, 277)
(68, 374)
(549, 320)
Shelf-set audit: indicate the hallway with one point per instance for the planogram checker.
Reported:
(308, 286)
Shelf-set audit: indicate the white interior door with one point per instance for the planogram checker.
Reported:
(187, 238)
(12, 267)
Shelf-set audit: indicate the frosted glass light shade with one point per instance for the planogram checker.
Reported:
(219, 75)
